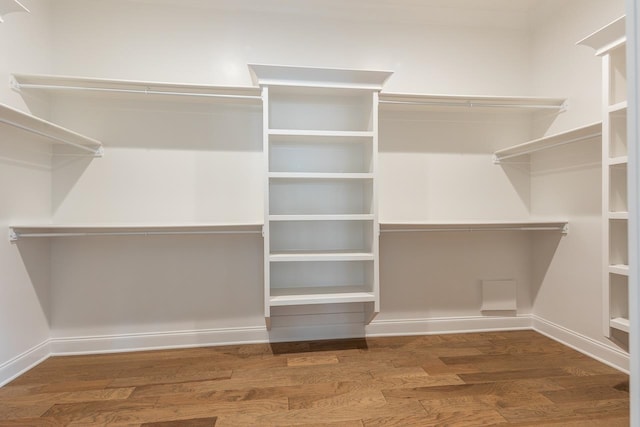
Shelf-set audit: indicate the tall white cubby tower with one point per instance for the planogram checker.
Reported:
(320, 212)
(609, 43)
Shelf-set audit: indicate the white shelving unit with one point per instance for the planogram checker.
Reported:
(320, 144)
(609, 43)
(17, 232)
(585, 133)
(87, 85)
(49, 132)
(463, 226)
(390, 100)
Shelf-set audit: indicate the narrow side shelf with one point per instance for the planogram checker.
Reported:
(103, 86)
(320, 256)
(620, 323)
(432, 101)
(18, 232)
(50, 131)
(620, 269)
(584, 133)
(319, 295)
(337, 217)
(390, 227)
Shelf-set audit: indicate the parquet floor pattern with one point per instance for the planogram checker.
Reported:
(502, 378)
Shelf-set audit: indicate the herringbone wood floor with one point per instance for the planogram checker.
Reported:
(478, 379)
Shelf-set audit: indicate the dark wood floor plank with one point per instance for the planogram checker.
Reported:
(502, 378)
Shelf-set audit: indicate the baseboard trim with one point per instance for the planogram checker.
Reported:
(157, 341)
(447, 325)
(608, 355)
(20, 364)
(258, 334)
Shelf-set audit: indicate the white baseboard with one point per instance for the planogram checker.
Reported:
(157, 340)
(447, 325)
(608, 355)
(259, 334)
(20, 364)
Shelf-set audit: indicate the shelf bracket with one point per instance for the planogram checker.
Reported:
(565, 229)
(99, 152)
(14, 84)
(564, 106)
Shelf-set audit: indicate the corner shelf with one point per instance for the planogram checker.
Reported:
(71, 84)
(17, 232)
(432, 101)
(583, 133)
(50, 131)
(457, 226)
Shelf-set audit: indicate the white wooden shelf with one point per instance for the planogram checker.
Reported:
(606, 38)
(583, 133)
(336, 217)
(55, 134)
(9, 6)
(619, 215)
(620, 269)
(320, 176)
(619, 161)
(17, 232)
(319, 295)
(390, 227)
(620, 323)
(619, 108)
(432, 101)
(103, 86)
(321, 133)
(285, 75)
(301, 256)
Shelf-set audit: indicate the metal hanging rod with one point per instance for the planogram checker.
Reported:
(147, 91)
(472, 104)
(14, 235)
(97, 152)
(498, 159)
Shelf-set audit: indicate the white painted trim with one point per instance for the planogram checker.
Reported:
(610, 356)
(447, 325)
(157, 340)
(20, 364)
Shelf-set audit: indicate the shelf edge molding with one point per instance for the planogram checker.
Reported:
(583, 133)
(285, 75)
(473, 101)
(605, 39)
(17, 232)
(21, 82)
(28, 123)
(471, 226)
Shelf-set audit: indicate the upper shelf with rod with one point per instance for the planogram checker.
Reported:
(584, 133)
(467, 226)
(50, 131)
(67, 84)
(437, 102)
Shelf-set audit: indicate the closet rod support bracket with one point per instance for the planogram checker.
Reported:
(13, 236)
(99, 152)
(564, 107)
(14, 84)
(565, 229)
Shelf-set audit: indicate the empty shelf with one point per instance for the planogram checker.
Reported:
(620, 323)
(619, 215)
(561, 226)
(618, 161)
(319, 176)
(321, 133)
(301, 256)
(284, 75)
(87, 84)
(584, 133)
(50, 131)
(620, 269)
(63, 230)
(619, 108)
(338, 217)
(319, 295)
(431, 101)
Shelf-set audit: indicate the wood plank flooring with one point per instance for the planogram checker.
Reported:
(506, 378)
